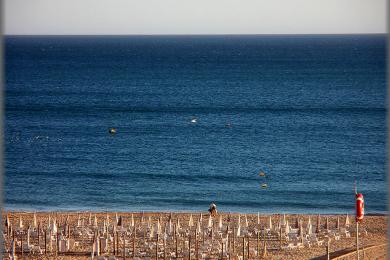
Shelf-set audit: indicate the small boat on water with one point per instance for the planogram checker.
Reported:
(112, 131)
(194, 120)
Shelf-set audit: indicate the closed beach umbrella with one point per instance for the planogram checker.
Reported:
(97, 245)
(54, 229)
(239, 218)
(149, 222)
(327, 223)
(239, 229)
(176, 228)
(78, 220)
(158, 227)
(284, 219)
(170, 226)
(151, 234)
(93, 249)
(201, 218)
(270, 222)
(347, 221)
(107, 219)
(13, 250)
(309, 227)
(338, 223)
(297, 223)
(246, 221)
(191, 221)
(119, 223)
(35, 220)
(165, 232)
(95, 222)
(210, 224)
(318, 228)
(90, 219)
(28, 237)
(132, 220)
(258, 218)
(178, 224)
(220, 222)
(7, 223)
(20, 222)
(49, 222)
(265, 250)
(198, 229)
(301, 234)
(300, 230)
(51, 242)
(287, 227)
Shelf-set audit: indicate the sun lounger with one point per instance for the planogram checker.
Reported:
(314, 240)
(345, 232)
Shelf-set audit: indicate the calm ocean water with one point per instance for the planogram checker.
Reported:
(307, 110)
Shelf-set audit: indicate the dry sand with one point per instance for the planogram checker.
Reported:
(373, 232)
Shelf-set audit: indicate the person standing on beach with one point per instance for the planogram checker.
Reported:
(213, 209)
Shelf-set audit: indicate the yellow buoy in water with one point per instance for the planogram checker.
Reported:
(264, 185)
(262, 174)
(112, 131)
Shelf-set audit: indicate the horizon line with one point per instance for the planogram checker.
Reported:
(205, 34)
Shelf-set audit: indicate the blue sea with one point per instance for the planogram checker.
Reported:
(309, 111)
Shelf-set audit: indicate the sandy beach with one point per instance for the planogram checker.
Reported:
(74, 235)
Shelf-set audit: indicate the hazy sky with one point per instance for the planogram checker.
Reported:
(194, 16)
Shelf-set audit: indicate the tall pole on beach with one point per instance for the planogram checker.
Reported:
(189, 247)
(157, 247)
(222, 248)
(328, 250)
(357, 227)
(21, 244)
(234, 242)
(280, 236)
(176, 255)
(357, 239)
(134, 237)
(247, 251)
(39, 237)
(45, 242)
(164, 246)
(124, 247)
(196, 245)
(113, 241)
(243, 247)
(117, 242)
(359, 216)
